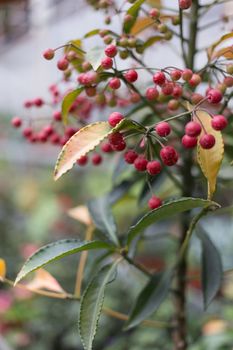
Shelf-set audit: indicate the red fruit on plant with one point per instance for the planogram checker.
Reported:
(195, 80)
(96, 159)
(90, 91)
(63, 140)
(82, 161)
(119, 146)
(219, 122)
(159, 78)
(154, 13)
(57, 116)
(154, 202)
(140, 163)
(115, 138)
(135, 97)
(173, 105)
(196, 98)
(189, 141)
(193, 129)
(187, 74)
(55, 139)
(228, 81)
(185, 4)
(42, 137)
(115, 118)
(131, 76)
(154, 167)
(70, 131)
(163, 129)
(130, 156)
(28, 104)
(106, 147)
(207, 141)
(107, 63)
(16, 122)
(177, 91)
(167, 89)
(169, 155)
(111, 50)
(176, 74)
(115, 83)
(152, 94)
(214, 96)
(38, 102)
(48, 130)
(62, 64)
(27, 132)
(49, 54)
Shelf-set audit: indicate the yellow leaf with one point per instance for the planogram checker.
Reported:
(141, 24)
(154, 3)
(210, 159)
(80, 213)
(226, 52)
(44, 280)
(212, 48)
(2, 269)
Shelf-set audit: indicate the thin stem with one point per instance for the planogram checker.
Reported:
(138, 266)
(182, 37)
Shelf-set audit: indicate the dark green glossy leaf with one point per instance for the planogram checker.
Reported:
(133, 11)
(68, 101)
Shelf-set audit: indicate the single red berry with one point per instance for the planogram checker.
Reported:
(207, 141)
(115, 138)
(63, 140)
(48, 130)
(106, 147)
(169, 155)
(214, 96)
(130, 156)
(228, 81)
(152, 94)
(189, 141)
(195, 80)
(115, 118)
(70, 131)
(27, 132)
(28, 104)
(154, 167)
(119, 146)
(219, 122)
(187, 74)
(42, 137)
(82, 160)
(154, 202)
(140, 163)
(57, 116)
(177, 91)
(185, 4)
(176, 74)
(131, 76)
(115, 83)
(62, 64)
(111, 50)
(32, 138)
(196, 98)
(167, 89)
(135, 97)
(90, 91)
(16, 122)
(193, 129)
(55, 139)
(154, 13)
(173, 105)
(96, 159)
(107, 63)
(49, 54)
(163, 129)
(127, 18)
(159, 78)
(38, 102)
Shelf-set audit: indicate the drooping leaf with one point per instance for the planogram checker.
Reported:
(153, 39)
(164, 212)
(226, 52)
(2, 269)
(150, 298)
(44, 280)
(76, 46)
(132, 11)
(210, 160)
(57, 250)
(211, 50)
(92, 303)
(141, 24)
(92, 33)
(103, 219)
(68, 101)
(95, 56)
(80, 213)
(212, 270)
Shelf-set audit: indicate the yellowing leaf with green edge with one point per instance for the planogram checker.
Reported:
(141, 24)
(2, 269)
(212, 48)
(210, 159)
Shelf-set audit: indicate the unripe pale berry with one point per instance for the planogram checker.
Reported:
(219, 122)
(154, 202)
(115, 118)
(169, 155)
(115, 83)
(228, 81)
(207, 141)
(140, 163)
(187, 74)
(135, 97)
(130, 156)
(154, 167)
(127, 18)
(62, 64)
(82, 161)
(214, 96)
(16, 122)
(189, 141)
(163, 129)
(49, 54)
(96, 159)
(173, 105)
(152, 94)
(131, 76)
(111, 50)
(196, 98)
(195, 80)
(185, 4)
(193, 129)
(107, 63)
(159, 78)
(176, 74)
(229, 68)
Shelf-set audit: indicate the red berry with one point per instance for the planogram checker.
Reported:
(27, 132)
(57, 116)
(159, 78)
(152, 94)
(96, 159)
(140, 163)
(228, 81)
(189, 141)
(154, 13)
(173, 105)
(177, 91)
(38, 102)
(70, 131)
(154, 167)
(115, 138)
(187, 74)
(214, 96)
(115, 83)
(130, 156)
(175, 74)
(119, 146)
(82, 161)
(111, 50)
(169, 155)
(106, 147)
(28, 104)
(185, 4)
(167, 89)
(63, 140)
(163, 129)
(135, 97)
(55, 139)
(115, 118)
(49, 54)
(207, 141)
(195, 80)
(196, 98)
(90, 91)
(131, 76)
(62, 64)
(219, 122)
(42, 137)
(193, 129)
(48, 130)
(107, 63)
(154, 202)
(16, 122)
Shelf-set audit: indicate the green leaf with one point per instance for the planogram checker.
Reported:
(212, 270)
(95, 56)
(91, 33)
(58, 250)
(92, 303)
(133, 11)
(166, 211)
(68, 101)
(101, 214)
(152, 40)
(150, 298)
